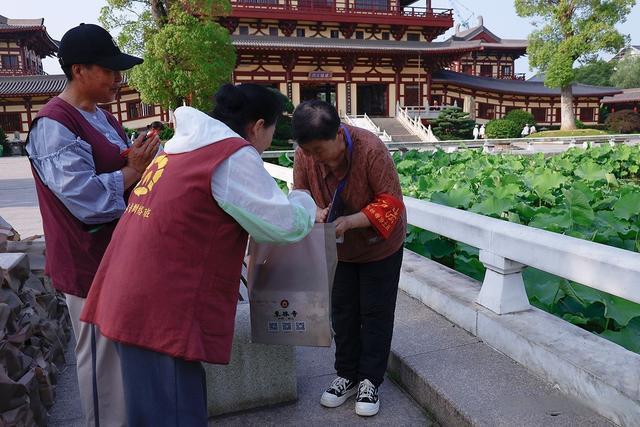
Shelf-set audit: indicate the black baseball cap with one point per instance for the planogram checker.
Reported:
(92, 44)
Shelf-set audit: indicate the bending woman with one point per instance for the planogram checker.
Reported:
(351, 175)
(167, 287)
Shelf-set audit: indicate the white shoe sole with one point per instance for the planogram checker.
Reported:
(367, 409)
(332, 401)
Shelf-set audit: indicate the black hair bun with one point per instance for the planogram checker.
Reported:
(230, 100)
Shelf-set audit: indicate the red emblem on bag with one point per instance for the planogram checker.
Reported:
(284, 303)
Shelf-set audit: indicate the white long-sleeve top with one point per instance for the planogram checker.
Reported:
(241, 186)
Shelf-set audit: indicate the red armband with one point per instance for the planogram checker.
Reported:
(384, 213)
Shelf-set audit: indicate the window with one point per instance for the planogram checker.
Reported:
(587, 114)
(385, 35)
(273, 31)
(335, 34)
(467, 69)
(300, 32)
(486, 111)
(506, 71)
(10, 62)
(458, 102)
(540, 114)
(360, 35)
(381, 5)
(136, 110)
(509, 108)
(10, 122)
(486, 71)
(411, 95)
(413, 37)
(243, 30)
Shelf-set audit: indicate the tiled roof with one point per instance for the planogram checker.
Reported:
(20, 23)
(517, 86)
(627, 95)
(318, 43)
(32, 85)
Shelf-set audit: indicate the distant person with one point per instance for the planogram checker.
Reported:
(525, 130)
(476, 132)
(532, 129)
(481, 133)
(83, 178)
(167, 288)
(351, 176)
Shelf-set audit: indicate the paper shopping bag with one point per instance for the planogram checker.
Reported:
(290, 289)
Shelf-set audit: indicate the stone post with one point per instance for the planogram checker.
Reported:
(503, 287)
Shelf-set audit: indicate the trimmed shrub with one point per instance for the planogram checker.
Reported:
(580, 124)
(453, 123)
(623, 121)
(502, 128)
(520, 118)
(166, 133)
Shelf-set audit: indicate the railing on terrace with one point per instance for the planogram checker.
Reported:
(516, 76)
(507, 248)
(426, 111)
(343, 7)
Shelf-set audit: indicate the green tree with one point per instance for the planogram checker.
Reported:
(570, 30)
(595, 73)
(521, 118)
(187, 54)
(627, 73)
(453, 123)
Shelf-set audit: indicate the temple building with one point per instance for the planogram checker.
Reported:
(364, 56)
(370, 56)
(25, 88)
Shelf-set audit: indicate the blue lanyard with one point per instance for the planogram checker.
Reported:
(337, 205)
(343, 181)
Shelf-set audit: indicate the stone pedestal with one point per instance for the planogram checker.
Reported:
(503, 287)
(258, 375)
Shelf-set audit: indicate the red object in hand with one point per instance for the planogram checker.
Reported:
(150, 134)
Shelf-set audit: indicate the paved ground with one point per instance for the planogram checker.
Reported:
(18, 201)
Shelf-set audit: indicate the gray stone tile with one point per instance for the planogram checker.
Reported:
(315, 361)
(420, 330)
(396, 409)
(491, 389)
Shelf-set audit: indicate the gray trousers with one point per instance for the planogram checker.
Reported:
(99, 375)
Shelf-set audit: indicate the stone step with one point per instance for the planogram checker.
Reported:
(396, 130)
(462, 381)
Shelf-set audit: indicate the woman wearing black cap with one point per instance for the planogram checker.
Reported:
(82, 180)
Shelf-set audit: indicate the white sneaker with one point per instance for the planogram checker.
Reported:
(338, 392)
(367, 402)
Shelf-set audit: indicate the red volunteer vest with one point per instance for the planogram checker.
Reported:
(74, 249)
(169, 279)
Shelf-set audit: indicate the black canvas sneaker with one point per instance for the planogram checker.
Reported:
(367, 402)
(338, 392)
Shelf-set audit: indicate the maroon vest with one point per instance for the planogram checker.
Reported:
(169, 279)
(74, 249)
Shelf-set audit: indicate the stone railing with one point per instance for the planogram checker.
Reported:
(364, 121)
(507, 248)
(414, 124)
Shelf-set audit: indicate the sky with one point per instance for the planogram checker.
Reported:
(499, 16)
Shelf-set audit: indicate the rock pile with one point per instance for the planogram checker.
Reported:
(34, 329)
